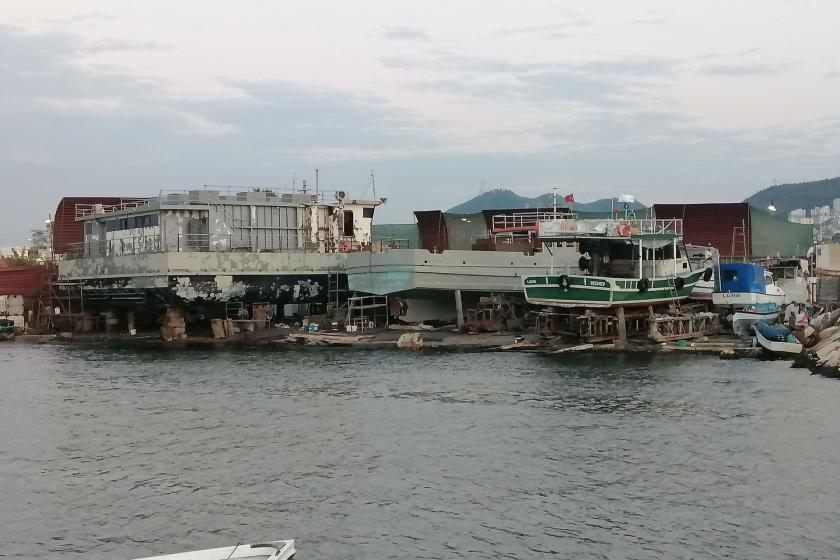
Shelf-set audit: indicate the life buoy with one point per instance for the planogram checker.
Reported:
(623, 229)
(584, 264)
(679, 283)
(707, 275)
(643, 285)
(563, 281)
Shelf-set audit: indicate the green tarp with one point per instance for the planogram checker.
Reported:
(776, 237)
(464, 229)
(406, 232)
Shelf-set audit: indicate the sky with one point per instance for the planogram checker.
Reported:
(669, 101)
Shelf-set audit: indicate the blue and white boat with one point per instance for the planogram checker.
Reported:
(777, 339)
(743, 319)
(743, 284)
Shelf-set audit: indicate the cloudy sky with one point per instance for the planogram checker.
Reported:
(671, 101)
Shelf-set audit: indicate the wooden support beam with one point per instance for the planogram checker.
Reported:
(622, 327)
(459, 309)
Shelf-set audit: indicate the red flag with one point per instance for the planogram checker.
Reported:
(570, 198)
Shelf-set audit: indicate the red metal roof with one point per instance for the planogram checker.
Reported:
(26, 281)
(65, 229)
(712, 224)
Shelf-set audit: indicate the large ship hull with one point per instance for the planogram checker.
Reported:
(603, 292)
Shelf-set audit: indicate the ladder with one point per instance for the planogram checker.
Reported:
(675, 297)
(334, 292)
(739, 240)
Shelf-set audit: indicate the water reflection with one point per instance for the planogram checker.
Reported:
(400, 455)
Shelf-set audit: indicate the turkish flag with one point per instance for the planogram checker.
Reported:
(570, 198)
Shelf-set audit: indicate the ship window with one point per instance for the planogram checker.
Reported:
(730, 275)
(367, 212)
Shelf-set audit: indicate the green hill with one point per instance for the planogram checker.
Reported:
(504, 198)
(797, 195)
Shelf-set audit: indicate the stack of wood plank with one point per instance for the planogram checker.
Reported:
(174, 325)
(222, 328)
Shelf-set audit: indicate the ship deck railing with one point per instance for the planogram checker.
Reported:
(611, 228)
(526, 221)
(85, 210)
(239, 242)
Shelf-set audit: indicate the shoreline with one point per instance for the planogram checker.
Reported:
(418, 340)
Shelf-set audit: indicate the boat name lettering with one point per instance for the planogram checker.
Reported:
(597, 283)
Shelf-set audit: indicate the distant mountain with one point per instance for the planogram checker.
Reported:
(797, 195)
(504, 198)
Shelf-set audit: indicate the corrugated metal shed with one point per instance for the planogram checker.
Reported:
(715, 224)
(463, 229)
(65, 229)
(433, 232)
(25, 281)
(712, 224)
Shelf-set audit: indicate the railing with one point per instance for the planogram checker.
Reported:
(527, 220)
(114, 247)
(227, 243)
(385, 243)
(565, 228)
(193, 196)
(83, 210)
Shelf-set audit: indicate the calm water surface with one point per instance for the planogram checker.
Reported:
(121, 453)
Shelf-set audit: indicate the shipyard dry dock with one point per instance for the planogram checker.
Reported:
(247, 265)
(279, 257)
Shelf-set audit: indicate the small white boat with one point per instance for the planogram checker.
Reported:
(273, 550)
(777, 339)
(743, 319)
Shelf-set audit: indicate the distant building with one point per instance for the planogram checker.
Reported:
(800, 216)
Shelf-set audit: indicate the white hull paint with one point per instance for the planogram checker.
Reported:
(746, 298)
(778, 347)
(273, 550)
(703, 290)
(742, 321)
(602, 305)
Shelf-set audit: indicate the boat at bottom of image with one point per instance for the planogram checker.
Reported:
(273, 550)
(777, 339)
(743, 319)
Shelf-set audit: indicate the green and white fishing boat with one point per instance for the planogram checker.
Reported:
(624, 262)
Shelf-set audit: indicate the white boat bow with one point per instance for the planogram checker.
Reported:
(273, 550)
